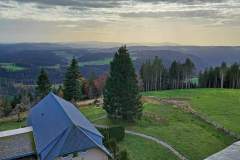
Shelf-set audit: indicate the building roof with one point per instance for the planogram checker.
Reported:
(16, 143)
(230, 153)
(59, 128)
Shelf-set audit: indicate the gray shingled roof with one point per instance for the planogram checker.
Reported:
(230, 153)
(15, 146)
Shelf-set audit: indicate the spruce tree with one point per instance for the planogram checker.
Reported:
(121, 93)
(72, 89)
(43, 84)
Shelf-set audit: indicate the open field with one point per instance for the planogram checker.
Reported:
(138, 148)
(105, 61)
(11, 67)
(141, 149)
(189, 135)
(220, 105)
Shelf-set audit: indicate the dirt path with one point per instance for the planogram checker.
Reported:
(178, 102)
(185, 106)
(99, 118)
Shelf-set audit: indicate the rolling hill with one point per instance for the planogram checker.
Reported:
(27, 58)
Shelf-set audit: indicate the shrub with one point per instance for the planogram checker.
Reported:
(113, 132)
(5, 107)
(123, 155)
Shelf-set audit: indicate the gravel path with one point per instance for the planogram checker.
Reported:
(164, 144)
(99, 118)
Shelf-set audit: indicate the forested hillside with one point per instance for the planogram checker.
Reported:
(20, 63)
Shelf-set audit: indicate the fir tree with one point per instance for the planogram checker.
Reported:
(121, 93)
(72, 89)
(43, 84)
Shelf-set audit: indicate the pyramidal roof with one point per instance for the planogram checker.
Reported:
(59, 128)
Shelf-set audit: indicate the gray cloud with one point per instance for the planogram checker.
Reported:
(76, 3)
(183, 1)
(224, 11)
(181, 14)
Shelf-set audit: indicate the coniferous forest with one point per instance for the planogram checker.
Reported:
(221, 77)
(155, 76)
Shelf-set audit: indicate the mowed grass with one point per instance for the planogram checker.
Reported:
(190, 136)
(219, 105)
(186, 133)
(141, 149)
(11, 125)
(138, 148)
(92, 112)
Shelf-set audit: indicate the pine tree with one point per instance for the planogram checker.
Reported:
(43, 84)
(189, 68)
(173, 74)
(121, 93)
(72, 89)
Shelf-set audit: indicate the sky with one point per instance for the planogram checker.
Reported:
(183, 22)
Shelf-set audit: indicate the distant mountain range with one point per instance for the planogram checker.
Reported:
(22, 61)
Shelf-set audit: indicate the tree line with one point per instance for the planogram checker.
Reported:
(121, 94)
(74, 88)
(155, 76)
(221, 76)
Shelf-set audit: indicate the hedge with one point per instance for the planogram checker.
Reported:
(113, 132)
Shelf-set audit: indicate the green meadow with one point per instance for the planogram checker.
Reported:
(189, 135)
(11, 67)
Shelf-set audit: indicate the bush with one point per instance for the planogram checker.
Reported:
(5, 107)
(113, 132)
(123, 155)
(117, 154)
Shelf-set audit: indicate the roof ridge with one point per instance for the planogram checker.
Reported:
(56, 99)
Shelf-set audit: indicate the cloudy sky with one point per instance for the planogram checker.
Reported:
(188, 22)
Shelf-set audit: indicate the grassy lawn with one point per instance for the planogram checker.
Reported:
(141, 149)
(138, 148)
(220, 105)
(190, 136)
(92, 112)
(11, 125)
